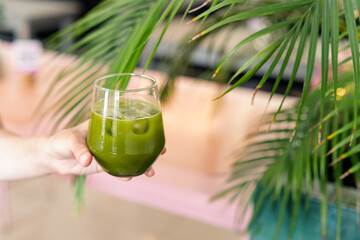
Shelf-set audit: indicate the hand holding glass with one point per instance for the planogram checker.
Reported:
(126, 132)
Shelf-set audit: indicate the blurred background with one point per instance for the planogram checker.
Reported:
(201, 135)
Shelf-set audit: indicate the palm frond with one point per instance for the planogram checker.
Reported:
(324, 58)
(334, 31)
(299, 54)
(353, 37)
(337, 172)
(256, 12)
(311, 58)
(287, 170)
(253, 36)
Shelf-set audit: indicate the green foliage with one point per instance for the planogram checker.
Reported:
(112, 37)
(298, 164)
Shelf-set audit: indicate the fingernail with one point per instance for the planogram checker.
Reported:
(84, 158)
(124, 179)
(150, 173)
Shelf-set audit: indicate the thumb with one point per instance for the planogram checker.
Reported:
(80, 150)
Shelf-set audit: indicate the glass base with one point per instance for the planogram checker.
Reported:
(125, 176)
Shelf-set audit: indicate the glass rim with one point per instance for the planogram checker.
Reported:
(153, 85)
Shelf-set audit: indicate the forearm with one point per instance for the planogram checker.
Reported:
(20, 157)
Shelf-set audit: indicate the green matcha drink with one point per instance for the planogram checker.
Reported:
(125, 134)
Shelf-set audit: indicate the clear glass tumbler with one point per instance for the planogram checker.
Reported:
(126, 132)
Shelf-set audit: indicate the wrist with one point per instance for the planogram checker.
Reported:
(21, 157)
(37, 152)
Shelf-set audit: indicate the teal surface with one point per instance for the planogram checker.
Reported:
(308, 225)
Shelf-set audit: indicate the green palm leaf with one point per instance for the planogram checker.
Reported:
(216, 8)
(324, 58)
(269, 50)
(337, 172)
(253, 36)
(256, 12)
(353, 37)
(299, 54)
(273, 65)
(334, 31)
(311, 58)
(284, 63)
(175, 9)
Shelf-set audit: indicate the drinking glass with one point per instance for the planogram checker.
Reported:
(126, 132)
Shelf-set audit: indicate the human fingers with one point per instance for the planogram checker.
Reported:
(78, 169)
(163, 151)
(80, 150)
(150, 172)
(126, 179)
(93, 167)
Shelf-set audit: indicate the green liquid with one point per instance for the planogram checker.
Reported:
(128, 142)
